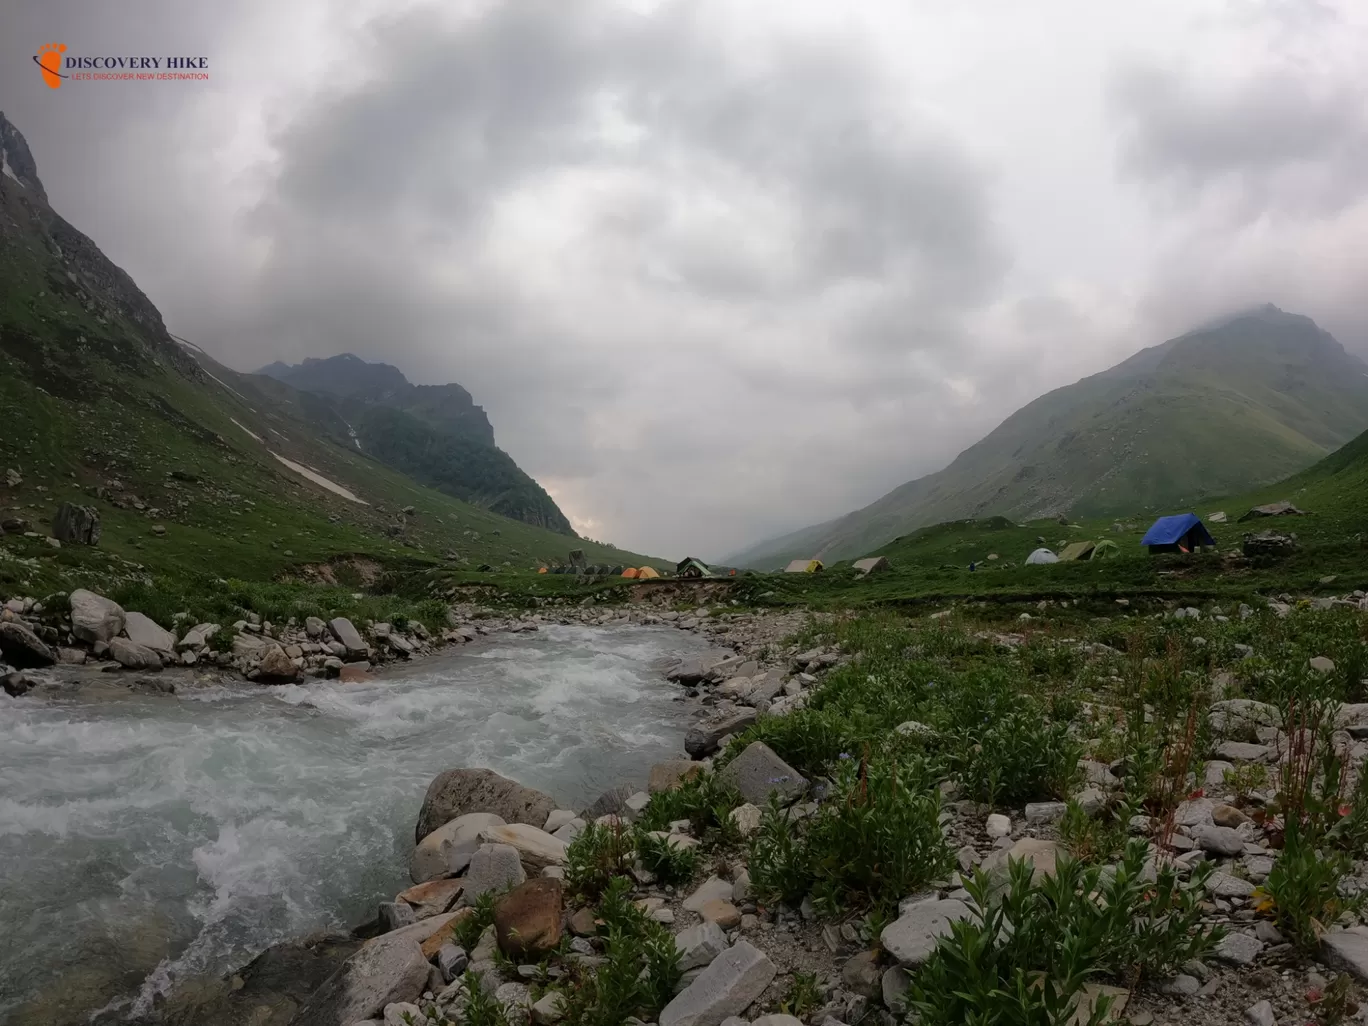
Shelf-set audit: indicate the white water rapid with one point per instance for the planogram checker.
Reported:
(146, 837)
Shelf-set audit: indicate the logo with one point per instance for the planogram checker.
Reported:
(49, 59)
(116, 68)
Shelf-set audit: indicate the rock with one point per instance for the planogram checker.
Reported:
(314, 627)
(862, 974)
(1237, 949)
(778, 1019)
(132, 656)
(143, 630)
(1238, 718)
(726, 987)
(698, 945)
(557, 819)
(893, 988)
(493, 867)
(78, 525)
(570, 831)
(452, 961)
(1038, 813)
(912, 936)
(448, 848)
(457, 792)
(535, 846)
(704, 739)
(666, 776)
(403, 1013)
(1228, 816)
(582, 923)
(549, 1009)
(348, 636)
(1180, 986)
(1261, 1014)
(433, 897)
(1219, 840)
(1040, 853)
(1321, 664)
(712, 889)
(1193, 813)
(396, 914)
(16, 684)
(1347, 949)
(1240, 751)
(723, 913)
(514, 996)
(1091, 800)
(276, 665)
(387, 970)
(1223, 885)
(747, 819)
(997, 825)
(94, 618)
(758, 772)
(23, 649)
(527, 920)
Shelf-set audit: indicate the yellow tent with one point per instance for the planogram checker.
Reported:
(631, 571)
(646, 573)
(803, 566)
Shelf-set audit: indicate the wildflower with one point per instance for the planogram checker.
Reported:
(844, 755)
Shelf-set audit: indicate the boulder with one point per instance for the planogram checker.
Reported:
(1041, 854)
(387, 970)
(1347, 949)
(448, 848)
(493, 867)
(132, 656)
(348, 637)
(705, 738)
(527, 920)
(699, 945)
(79, 525)
(712, 889)
(1219, 840)
(536, 848)
(276, 665)
(758, 772)
(94, 618)
(666, 776)
(457, 792)
(143, 630)
(22, 648)
(725, 988)
(314, 627)
(1237, 719)
(912, 937)
(431, 898)
(747, 818)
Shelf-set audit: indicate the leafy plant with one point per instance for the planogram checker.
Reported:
(600, 853)
(467, 930)
(482, 1008)
(1334, 1005)
(1096, 838)
(1245, 779)
(671, 863)
(1302, 892)
(803, 997)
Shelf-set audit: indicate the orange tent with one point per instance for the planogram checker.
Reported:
(629, 572)
(541, 570)
(646, 573)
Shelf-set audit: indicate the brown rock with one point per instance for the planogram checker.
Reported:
(442, 935)
(527, 920)
(666, 776)
(582, 923)
(1228, 816)
(458, 791)
(432, 898)
(723, 913)
(354, 673)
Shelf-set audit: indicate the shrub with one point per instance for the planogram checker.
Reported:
(876, 839)
(1302, 892)
(598, 855)
(467, 931)
(672, 864)
(704, 800)
(1024, 959)
(482, 1009)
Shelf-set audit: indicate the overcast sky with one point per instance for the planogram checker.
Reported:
(716, 269)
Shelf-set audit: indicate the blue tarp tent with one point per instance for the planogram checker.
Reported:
(1182, 532)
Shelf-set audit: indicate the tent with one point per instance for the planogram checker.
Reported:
(1182, 532)
(1041, 556)
(615, 572)
(647, 573)
(1076, 551)
(803, 566)
(1106, 549)
(541, 570)
(691, 567)
(1273, 509)
(870, 565)
(631, 571)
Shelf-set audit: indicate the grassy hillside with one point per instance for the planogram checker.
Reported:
(1231, 407)
(183, 460)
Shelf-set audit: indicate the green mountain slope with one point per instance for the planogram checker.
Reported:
(196, 471)
(1221, 410)
(434, 433)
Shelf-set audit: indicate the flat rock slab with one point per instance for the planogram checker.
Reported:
(1237, 949)
(725, 988)
(699, 945)
(712, 889)
(459, 791)
(704, 739)
(911, 938)
(536, 847)
(1041, 854)
(448, 848)
(758, 772)
(132, 656)
(23, 649)
(1241, 751)
(143, 630)
(1348, 949)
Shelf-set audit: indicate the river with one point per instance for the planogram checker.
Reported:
(144, 837)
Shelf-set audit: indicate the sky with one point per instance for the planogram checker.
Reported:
(716, 270)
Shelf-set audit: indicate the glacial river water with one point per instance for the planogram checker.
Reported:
(143, 837)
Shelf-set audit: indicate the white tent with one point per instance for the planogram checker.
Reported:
(1041, 556)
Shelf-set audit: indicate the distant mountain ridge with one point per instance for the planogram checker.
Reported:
(1242, 402)
(435, 434)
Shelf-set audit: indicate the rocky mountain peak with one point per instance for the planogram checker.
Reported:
(16, 159)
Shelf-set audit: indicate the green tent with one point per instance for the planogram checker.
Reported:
(1106, 549)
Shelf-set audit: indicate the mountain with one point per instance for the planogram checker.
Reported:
(1239, 403)
(196, 471)
(434, 433)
